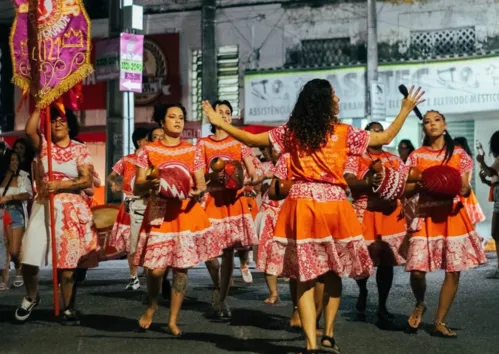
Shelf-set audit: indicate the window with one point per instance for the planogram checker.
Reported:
(426, 44)
(321, 52)
(227, 79)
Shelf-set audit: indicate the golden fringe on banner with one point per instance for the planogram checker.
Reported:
(67, 84)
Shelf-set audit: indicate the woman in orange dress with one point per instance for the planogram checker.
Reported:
(176, 233)
(441, 235)
(228, 210)
(383, 223)
(317, 232)
(470, 202)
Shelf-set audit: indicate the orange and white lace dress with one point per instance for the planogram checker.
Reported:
(175, 233)
(442, 235)
(76, 237)
(228, 210)
(383, 222)
(317, 230)
(268, 215)
(120, 238)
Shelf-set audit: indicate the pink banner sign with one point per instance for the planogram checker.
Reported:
(58, 46)
(107, 59)
(131, 62)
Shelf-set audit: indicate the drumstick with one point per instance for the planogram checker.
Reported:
(403, 90)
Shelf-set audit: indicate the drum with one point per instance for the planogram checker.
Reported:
(234, 175)
(232, 172)
(442, 181)
(104, 218)
(174, 182)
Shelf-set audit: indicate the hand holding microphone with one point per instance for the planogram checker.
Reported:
(412, 100)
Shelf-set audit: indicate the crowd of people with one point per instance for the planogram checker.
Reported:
(325, 201)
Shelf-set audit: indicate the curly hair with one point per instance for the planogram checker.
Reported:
(494, 144)
(160, 111)
(312, 118)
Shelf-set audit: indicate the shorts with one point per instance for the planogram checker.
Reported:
(137, 211)
(17, 217)
(496, 199)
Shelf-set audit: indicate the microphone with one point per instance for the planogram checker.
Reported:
(403, 90)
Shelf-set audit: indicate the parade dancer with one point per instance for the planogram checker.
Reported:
(227, 209)
(492, 171)
(441, 235)
(75, 235)
(383, 222)
(470, 202)
(125, 232)
(317, 230)
(176, 232)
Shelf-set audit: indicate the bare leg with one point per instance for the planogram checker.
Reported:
(362, 299)
(447, 296)
(6, 270)
(319, 297)
(213, 266)
(495, 233)
(154, 278)
(273, 297)
(384, 280)
(418, 285)
(294, 321)
(179, 287)
(244, 265)
(306, 308)
(131, 266)
(67, 283)
(226, 273)
(333, 289)
(31, 278)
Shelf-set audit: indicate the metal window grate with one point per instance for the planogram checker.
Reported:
(321, 52)
(227, 79)
(426, 44)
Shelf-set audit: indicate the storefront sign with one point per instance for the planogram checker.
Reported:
(107, 62)
(131, 56)
(452, 86)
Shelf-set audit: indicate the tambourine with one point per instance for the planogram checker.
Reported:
(233, 172)
(279, 188)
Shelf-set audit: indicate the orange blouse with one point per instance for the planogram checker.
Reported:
(126, 167)
(327, 164)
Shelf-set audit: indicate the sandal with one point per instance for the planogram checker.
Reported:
(18, 281)
(417, 317)
(4, 286)
(330, 347)
(272, 300)
(441, 330)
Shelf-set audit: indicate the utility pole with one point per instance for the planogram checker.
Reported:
(209, 51)
(120, 105)
(372, 55)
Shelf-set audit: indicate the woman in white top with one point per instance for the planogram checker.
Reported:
(15, 191)
(493, 173)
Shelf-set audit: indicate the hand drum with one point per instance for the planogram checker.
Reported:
(442, 181)
(234, 175)
(174, 182)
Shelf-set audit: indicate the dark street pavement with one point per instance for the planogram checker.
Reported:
(109, 317)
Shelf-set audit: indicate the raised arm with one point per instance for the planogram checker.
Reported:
(385, 137)
(32, 131)
(249, 139)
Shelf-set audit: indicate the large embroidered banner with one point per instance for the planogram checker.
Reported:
(50, 47)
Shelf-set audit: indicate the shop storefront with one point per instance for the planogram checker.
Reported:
(465, 90)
